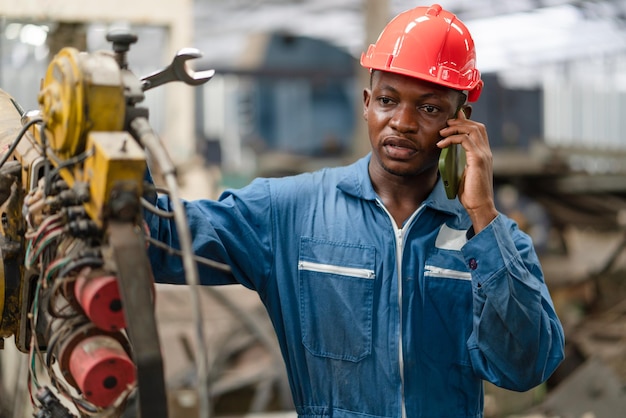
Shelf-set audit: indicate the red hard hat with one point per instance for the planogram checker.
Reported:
(431, 44)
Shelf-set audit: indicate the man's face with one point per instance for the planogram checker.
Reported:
(404, 116)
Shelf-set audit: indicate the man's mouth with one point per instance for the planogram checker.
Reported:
(400, 149)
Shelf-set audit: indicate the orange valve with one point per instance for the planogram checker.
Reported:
(99, 295)
(102, 369)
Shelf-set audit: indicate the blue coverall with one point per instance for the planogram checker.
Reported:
(376, 320)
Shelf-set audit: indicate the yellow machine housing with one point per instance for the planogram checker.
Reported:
(118, 164)
(71, 185)
(83, 107)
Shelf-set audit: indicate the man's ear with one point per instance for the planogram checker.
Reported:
(367, 94)
(467, 109)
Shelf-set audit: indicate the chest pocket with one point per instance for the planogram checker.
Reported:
(336, 298)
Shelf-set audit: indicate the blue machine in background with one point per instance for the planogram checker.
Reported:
(310, 108)
(293, 96)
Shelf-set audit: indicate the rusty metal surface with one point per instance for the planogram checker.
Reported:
(593, 389)
(246, 368)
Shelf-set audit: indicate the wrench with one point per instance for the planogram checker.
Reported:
(178, 71)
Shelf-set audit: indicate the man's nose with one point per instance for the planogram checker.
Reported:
(404, 119)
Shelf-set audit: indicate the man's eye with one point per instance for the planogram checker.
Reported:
(430, 109)
(385, 100)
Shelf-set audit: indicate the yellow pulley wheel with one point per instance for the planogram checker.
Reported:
(61, 101)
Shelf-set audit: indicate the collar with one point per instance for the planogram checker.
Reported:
(357, 183)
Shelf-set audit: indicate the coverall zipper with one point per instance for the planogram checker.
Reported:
(399, 234)
(433, 271)
(340, 270)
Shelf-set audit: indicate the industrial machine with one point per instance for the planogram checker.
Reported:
(76, 290)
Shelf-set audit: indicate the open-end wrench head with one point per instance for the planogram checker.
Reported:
(184, 73)
(178, 71)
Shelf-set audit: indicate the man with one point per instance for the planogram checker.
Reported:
(388, 298)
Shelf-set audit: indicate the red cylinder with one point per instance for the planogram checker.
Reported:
(100, 298)
(102, 369)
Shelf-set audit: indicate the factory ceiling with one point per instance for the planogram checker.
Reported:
(509, 34)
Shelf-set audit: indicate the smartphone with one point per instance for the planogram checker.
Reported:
(451, 166)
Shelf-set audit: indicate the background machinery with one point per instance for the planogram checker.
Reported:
(76, 290)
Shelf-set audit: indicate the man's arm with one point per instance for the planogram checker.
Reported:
(517, 340)
(234, 230)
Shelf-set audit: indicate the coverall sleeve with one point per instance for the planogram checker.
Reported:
(517, 339)
(235, 230)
